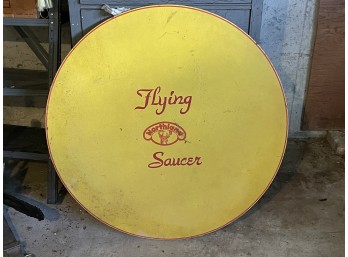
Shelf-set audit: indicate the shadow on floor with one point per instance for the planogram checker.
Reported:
(292, 158)
(14, 195)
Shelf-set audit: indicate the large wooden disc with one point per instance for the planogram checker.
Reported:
(166, 122)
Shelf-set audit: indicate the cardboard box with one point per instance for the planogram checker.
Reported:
(20, 9)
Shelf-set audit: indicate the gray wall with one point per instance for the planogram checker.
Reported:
(287, 31)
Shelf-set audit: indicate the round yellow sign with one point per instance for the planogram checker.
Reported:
(166, 122)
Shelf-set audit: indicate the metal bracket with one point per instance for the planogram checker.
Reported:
(34, 44)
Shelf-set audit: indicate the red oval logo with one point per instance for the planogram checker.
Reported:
(164, 133)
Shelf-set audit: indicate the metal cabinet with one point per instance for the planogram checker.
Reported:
(86, 14)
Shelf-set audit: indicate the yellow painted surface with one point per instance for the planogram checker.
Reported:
(113, 146)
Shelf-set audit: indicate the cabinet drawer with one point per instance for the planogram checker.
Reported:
(92, 17)
(183, 2)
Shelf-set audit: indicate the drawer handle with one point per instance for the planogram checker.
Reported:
(114, 11)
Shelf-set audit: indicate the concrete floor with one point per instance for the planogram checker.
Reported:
(302, 214)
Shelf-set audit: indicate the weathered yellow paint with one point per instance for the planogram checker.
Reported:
(103, 136)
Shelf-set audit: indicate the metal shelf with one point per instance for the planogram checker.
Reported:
(25, 143)
(24, 92)
(25, 22)
(21, 82)
(26, 156)
(30, 143)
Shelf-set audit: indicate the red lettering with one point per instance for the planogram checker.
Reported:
(190, 161)
(173, 161)
(159, 162)
(197, 160)
(167, 162)
(183, 161)
(147, 97)
(163, 101)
